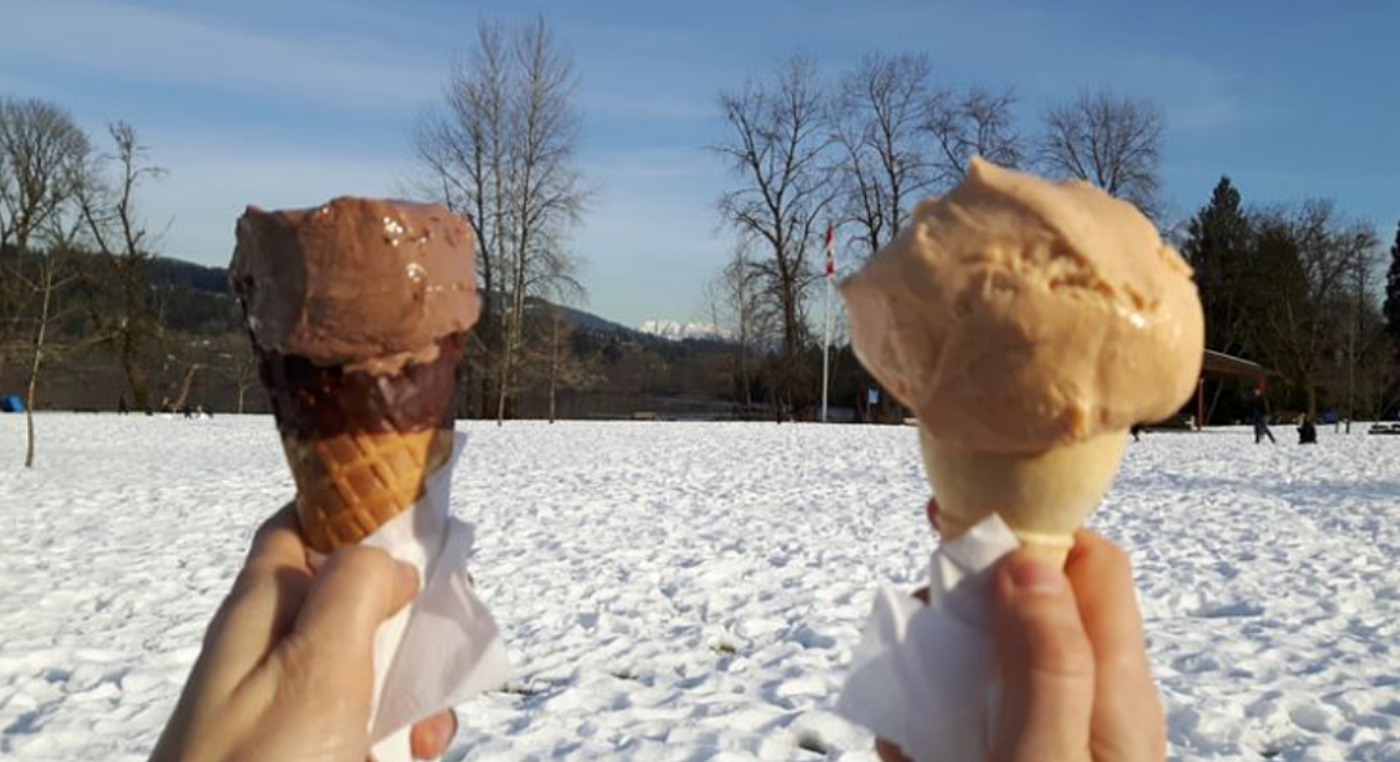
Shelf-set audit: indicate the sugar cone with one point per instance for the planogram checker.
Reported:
(350, 484)
(1043, 498)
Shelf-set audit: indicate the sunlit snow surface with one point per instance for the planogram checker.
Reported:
(693, 591)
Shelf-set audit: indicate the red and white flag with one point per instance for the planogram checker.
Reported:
(830, 250)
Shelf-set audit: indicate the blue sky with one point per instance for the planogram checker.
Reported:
(290, 103)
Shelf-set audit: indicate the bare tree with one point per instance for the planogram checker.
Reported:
(57, 268)
(1362, 251)
(233, 358)
(1308, 257)
(1108, 140)
(975, 123)
(741, 314)
(466, 151)
(1377, 384)
(777, 150)
(39, 146)
(883, 165)
(504, 154)
(1374, 371)
(41, 152)
(568, 369)
(109, 209)
(560, 287)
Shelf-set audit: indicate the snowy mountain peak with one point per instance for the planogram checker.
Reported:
(676, 331)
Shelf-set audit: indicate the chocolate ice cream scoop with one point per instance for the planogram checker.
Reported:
(363, 283)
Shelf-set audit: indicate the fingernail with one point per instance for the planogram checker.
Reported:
(1034, 575)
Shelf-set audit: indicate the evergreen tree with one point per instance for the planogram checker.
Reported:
(1218, 248)
(1392, 292)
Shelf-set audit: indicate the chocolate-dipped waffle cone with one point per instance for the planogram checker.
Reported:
(360, 445)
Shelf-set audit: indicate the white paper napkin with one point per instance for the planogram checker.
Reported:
(444, 647)
(923, 676)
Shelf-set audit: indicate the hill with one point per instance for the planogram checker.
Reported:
(198, 352)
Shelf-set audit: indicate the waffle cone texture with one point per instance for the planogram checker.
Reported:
(361, 445)
(351, 484)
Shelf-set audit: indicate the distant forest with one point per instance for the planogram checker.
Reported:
(199, 354)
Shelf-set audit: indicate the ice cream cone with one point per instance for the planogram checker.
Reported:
(351, 484)
(1042, 497)
(1028, 325)
(360, 444)
(358, 310)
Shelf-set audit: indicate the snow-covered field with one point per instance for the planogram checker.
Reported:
(693, 591)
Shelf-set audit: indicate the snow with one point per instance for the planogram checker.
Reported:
(672, 330)
(688, 591)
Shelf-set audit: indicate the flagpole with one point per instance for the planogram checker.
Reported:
(826, 345)
(826, 312)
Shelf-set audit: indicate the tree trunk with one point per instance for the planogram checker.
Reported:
(34, 370)
(553, 367)
(186, 385)
(29, 407)
(242, 391)
(506, 355)
(135, 375)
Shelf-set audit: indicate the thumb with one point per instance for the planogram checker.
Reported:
(1047, 664)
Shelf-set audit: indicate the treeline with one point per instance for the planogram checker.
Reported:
(1293, 288)
(60, 197)
(91, 318)
(855, 152)
(501, 151)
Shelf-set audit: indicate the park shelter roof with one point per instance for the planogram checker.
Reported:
(1221, 365)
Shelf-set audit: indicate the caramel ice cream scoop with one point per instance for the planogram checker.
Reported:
(1028, 324)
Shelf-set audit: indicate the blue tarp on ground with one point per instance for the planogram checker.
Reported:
(11, 403)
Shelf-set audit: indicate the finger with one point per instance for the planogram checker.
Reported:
(1046, 661)
(1127, 720)
(355, 590)
(889, 752)
(278, 540)
(430, 738)
(278, 555)
(262, 605)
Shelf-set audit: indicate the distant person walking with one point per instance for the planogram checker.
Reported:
(122, 408)
(1259, 416)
